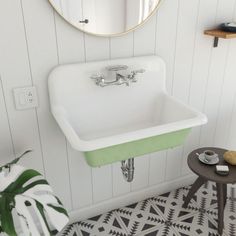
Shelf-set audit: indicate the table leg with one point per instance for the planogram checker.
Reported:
(225, 193)
(197, 184)
(221, 203)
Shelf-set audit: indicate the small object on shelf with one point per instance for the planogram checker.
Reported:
(230, 157)
(229, 27)
(219, 33)
(222, 170)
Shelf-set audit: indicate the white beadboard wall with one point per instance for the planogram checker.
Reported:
(34, 39)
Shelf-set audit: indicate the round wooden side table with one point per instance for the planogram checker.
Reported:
(207, 173)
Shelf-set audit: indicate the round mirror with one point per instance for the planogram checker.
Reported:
(106, 17)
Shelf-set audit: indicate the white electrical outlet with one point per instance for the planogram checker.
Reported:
(25, 98)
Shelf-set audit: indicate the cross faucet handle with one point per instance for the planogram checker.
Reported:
(133, 74)
(97, 76)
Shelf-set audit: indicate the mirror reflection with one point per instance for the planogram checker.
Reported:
(105, 17)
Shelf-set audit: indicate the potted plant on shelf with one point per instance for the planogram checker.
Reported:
(26, 194)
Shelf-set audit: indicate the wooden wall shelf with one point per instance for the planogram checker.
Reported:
(217, 33)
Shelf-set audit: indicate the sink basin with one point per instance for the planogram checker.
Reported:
(115, 123)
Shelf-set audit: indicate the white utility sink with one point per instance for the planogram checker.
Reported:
(118, 122)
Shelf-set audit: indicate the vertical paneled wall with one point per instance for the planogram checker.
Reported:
(34, 39)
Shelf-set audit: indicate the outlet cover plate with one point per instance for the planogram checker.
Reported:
(25, 98)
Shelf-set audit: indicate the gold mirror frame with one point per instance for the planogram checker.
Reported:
(106, 35)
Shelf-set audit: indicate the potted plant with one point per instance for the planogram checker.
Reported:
(26, 194)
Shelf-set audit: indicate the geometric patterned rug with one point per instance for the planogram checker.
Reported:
(163, 216)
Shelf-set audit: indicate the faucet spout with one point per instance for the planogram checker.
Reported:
(122, 79)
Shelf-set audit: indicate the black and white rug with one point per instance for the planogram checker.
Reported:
(163, 216)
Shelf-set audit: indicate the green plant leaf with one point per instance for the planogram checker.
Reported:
(8, 165)
(7, 224)
(41, 210)
(35, 183)
(59, 209)
(29, 189)
(21, 180)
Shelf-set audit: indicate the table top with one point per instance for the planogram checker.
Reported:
(208, 171)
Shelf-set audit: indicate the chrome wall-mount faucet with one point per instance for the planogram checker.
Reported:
(120, 77)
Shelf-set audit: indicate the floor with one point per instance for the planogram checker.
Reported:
(163, 216)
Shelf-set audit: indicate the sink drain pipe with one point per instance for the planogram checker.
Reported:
(127, 168)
